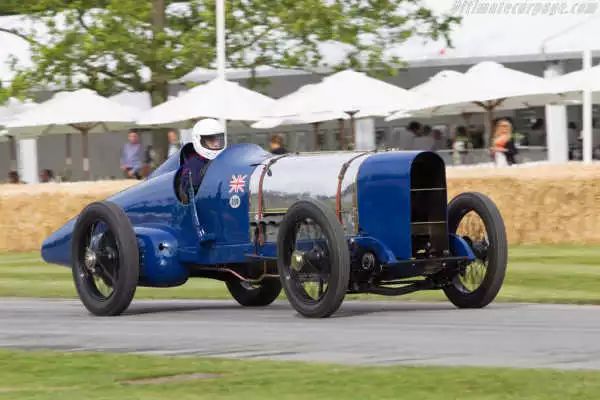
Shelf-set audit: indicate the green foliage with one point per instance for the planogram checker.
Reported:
(112, 45)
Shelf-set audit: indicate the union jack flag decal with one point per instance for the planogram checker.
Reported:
(237, 183)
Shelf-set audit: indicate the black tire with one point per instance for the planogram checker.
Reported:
(336, 255)
(254, 295)
(123, 262)
(496, 254)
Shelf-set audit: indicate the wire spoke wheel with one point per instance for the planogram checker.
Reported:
(475, 219)
(100, 261)
(309, 263)
(313, 259)
(105, 259)
(472, 229)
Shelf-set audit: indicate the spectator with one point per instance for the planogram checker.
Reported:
(407, 141)
(131, 156)
(13, 177)
(423, 141)
(439, 143)
(460, 145)
(174, 144)
(276, 144)
(502, 150)
(46, 176)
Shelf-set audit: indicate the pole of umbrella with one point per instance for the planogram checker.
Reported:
(316, 134)
(68, 155)
(490, 126)
(587, 112)
(84, 129)
(342, 134)
(489, 108)
(84, 153)
(13, 152)
(220, 13)
(352, 127)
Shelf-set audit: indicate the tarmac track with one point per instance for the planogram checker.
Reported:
(514, 335)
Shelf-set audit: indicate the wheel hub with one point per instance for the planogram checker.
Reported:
(89, 259)
(297, 261)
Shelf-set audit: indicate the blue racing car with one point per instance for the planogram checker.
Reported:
(320, 225)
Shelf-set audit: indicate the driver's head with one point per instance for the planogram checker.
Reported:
(208, 138)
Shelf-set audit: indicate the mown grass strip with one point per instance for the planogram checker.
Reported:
(74, 376)
(562, 274)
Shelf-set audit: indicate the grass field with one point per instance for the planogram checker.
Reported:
(550, 274)
(75, 376)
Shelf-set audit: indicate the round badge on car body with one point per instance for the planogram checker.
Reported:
(235, 201)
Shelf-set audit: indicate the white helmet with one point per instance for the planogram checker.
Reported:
(208, 138)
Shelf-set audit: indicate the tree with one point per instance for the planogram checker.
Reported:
(113, 45)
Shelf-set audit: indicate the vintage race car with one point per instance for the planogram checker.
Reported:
(319, 224)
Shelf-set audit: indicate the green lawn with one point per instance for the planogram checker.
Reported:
(75, 376)
(551, 274)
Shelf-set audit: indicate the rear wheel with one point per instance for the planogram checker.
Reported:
(475, 218)
(313, 259)
(254, 295)
(105, 259)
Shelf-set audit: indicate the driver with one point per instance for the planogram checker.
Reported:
(208, 140)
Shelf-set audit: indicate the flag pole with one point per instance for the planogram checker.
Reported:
(587, 113)
(220, 13)
(220, 4)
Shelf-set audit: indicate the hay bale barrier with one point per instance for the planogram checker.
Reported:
(541, 204)
(29, 213)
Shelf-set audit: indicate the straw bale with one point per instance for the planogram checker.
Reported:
(29, 213)
(540, 204)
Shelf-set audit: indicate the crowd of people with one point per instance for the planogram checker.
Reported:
(462, 141)
(137, 162)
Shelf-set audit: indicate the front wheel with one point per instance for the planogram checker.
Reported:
(105, 259)
(313, 259)
(475, 218)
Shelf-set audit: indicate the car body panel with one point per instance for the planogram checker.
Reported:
(219, 226)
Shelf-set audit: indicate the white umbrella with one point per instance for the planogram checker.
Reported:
(576, 82)
(446, 81)
(138, 100)
(7, 112)
(295, 101)
(269, 123)
(347, 92)
(217, 99)
(82, 111)
(201, 74)
(291, 103)
(485, 87)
